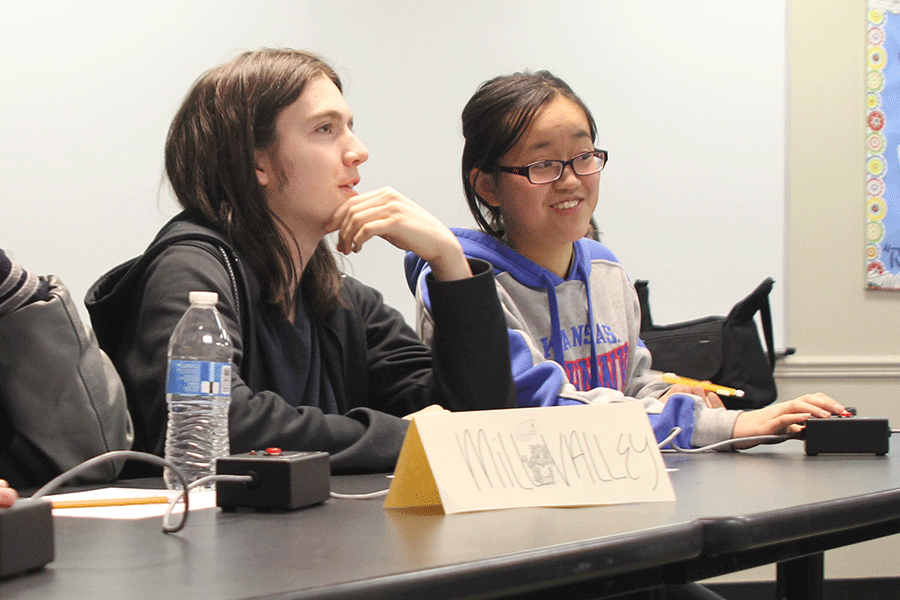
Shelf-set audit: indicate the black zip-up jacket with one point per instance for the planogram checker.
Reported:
(378, 368)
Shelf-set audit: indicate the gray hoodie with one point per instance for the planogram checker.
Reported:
(576, 340)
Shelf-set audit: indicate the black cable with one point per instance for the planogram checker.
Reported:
(197, 483)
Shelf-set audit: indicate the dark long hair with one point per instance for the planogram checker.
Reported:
(210, 161)
(494, 119)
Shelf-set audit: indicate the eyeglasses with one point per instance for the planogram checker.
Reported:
(548, 171)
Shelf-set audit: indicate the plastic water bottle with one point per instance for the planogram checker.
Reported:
(198, 391)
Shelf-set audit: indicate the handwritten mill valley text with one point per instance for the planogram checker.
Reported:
(526, 459)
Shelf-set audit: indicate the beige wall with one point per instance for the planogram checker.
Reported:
(847, 338)
(831, 312)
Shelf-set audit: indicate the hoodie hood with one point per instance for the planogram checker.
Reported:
(110, 298)
(477, 244)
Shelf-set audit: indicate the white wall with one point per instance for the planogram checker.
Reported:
(689, 97)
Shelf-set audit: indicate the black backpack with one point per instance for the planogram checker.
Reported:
(724, 350)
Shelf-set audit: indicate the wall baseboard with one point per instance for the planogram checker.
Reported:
(838, 367)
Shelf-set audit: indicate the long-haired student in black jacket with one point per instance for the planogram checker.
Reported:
(263, 158)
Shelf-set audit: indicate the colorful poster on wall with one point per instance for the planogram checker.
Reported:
(883, 145)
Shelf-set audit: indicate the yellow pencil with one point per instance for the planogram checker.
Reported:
(100, 503)
(721, 390)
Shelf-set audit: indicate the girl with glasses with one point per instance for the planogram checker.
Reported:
(531, 174)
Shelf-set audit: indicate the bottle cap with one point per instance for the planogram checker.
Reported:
(203, 297)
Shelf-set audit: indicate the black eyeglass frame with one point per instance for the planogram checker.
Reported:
(526, 170)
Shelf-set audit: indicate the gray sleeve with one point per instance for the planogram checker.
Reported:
(712, 425)
(424, 320)
(643, 382)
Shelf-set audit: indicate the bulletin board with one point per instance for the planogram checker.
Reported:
(882, 234)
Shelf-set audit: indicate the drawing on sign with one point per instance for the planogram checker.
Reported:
(540, 460)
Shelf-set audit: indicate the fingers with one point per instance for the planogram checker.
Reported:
(350, 217)
(680, 388)
(388, 214)
(7, 494)
(713, 400)
(383, 212)
(373, 226)
(709, 398)
(823, 401)
(783, 423)
(818, 405)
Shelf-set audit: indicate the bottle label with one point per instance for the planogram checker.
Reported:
(199, 378)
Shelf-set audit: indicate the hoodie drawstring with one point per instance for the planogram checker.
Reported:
(556, 331)
(595, 366)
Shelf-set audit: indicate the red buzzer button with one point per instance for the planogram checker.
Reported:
(273, 451)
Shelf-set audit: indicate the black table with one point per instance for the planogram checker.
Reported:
(357, 549)
(734, 511)
(774, 504)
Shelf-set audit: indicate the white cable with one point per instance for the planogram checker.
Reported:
(761, 439)
(377, 494)
(672, 435)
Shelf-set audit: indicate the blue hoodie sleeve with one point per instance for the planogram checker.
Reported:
(678, 412)
(536, 384)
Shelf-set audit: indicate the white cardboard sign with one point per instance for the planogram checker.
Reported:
(555, 456)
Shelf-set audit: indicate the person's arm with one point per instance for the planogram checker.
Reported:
(469, 348)
(18, 285)
(257, 418)
(467, 366)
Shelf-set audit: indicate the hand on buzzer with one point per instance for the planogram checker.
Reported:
(784, 417)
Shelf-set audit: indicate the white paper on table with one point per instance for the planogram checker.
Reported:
(199, 499)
